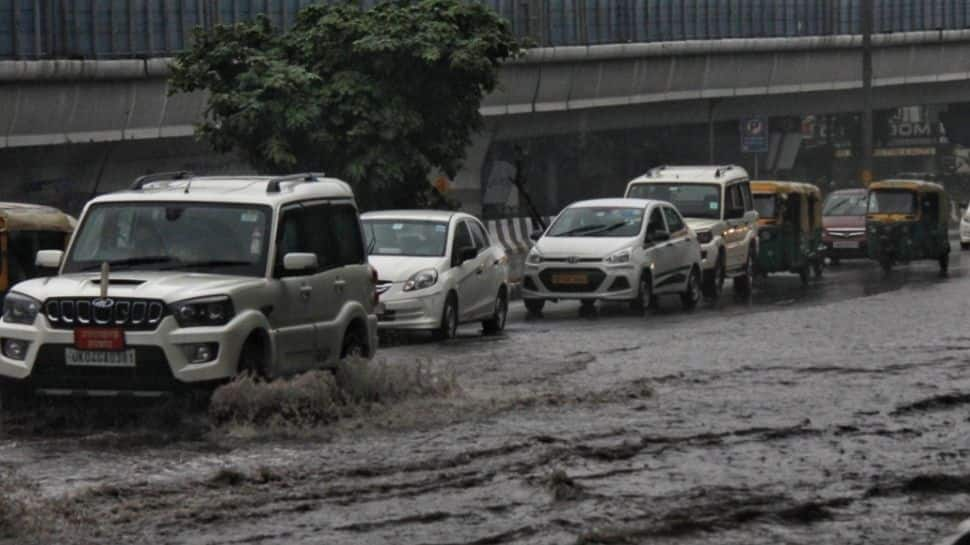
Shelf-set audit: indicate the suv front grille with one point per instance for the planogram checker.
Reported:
(130, 314)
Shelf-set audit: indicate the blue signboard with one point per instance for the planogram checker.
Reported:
(754, 134)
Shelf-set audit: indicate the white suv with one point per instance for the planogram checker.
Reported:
(716, 202)
(614, 250)
(188, 279)
(437, 269)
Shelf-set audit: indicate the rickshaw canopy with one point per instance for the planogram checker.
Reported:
(920, 188)
(811, 217)
(32, 217)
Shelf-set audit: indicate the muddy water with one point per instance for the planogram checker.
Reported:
(832, 414)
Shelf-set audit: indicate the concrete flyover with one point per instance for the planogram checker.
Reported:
(548, 91)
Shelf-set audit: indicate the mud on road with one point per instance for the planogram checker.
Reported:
(833, 414)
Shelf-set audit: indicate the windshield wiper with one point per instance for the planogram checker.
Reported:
(606, 228)
(131, 262)
(578, 230)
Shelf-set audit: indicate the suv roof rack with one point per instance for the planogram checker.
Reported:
(274, 185)
(160, 176)
(722, 169)
(655, 170)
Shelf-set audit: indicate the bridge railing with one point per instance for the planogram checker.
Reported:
(91, 29)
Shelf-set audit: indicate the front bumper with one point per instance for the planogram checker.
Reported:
(160, 362)
(414, 310)
(964, 233)
(709, 253)
(836, 247)
(604, 282)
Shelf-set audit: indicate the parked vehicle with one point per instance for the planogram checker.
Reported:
(789, 228)
(717, 204)
(26, 229)
(191, 280)
(844, 225)
(907, 221)
(614, 250)
(437, 270)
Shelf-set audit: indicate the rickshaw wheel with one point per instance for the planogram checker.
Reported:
(804, 273)
(945, 263)
(817, 268)
(887, 264)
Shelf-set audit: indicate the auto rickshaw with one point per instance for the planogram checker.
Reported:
(907, 220)
(24, 230)
(789, 228)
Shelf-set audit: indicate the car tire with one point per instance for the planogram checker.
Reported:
(714, 281)
(645, 300)
(496, 324)
(354, 345)
(965, 246)
(692, 294)
(252, 358)
(448, 329)
(534, 307)
(587, 309)
(742, 284)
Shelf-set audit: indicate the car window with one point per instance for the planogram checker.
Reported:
(674, 220)
(345, 232)
(746, 195)
(481, 237)
(318, 235)
(463, 238)
(406, 237)
(656, 222)
(735, 200)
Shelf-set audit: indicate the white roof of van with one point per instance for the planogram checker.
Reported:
(233, 189)
(702, 174)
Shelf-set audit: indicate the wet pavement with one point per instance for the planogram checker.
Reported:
(832, 413)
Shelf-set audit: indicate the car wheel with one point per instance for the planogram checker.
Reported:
(645, 298)
(692, 295)
(714, 281)
(965, 246)
(496, 323)
(587, 309)
(742, 284)
(449, 320)
(354, 346)
(252, 358)
(534, 307)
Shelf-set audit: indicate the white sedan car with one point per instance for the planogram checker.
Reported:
(614, 250)
(436, 270)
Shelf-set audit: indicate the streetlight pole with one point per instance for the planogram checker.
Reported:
(866, 17)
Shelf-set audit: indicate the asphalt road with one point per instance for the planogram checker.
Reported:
(833, 413)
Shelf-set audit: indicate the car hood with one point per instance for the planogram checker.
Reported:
(843, 221)
(163, 285)
(701, 224)
(393, 268)
(582, 247)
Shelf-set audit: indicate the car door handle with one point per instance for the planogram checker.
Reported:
(339, 284)
(305, 292)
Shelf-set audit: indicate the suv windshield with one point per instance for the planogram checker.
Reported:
(597, 222)
(845, 205)
(765, 205)
(406, 237)
(693, 200)
(197, 237)
(892, 202)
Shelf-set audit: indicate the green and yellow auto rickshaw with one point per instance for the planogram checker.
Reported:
(789, 228)
(907, 220)
(24, 230)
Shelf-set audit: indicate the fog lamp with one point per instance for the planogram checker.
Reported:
(15, 349)
(200, 352)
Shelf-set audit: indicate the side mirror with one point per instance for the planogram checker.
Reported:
(298, 261)
(49, 259)
(466, 253)
(535, 235)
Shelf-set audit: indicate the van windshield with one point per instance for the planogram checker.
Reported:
(892, 202)
(197, 237)
(693, 200)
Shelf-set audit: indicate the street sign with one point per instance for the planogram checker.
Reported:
(754, 134)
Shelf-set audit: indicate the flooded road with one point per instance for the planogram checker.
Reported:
(833, 413)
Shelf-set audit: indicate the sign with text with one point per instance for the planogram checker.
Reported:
(754, 134)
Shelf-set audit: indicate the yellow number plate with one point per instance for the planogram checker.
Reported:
(570, 279)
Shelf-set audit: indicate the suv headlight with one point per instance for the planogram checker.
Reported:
(704, 237)
(204, 311)
(623, 256)
(20, 309)
(534, 257)
(421, 279)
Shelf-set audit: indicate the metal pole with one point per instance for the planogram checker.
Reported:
(710, 132)
(866, 17)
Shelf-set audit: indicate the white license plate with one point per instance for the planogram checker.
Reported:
(100, 358)
(845, 244)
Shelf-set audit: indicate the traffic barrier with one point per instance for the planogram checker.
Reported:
(513, 233)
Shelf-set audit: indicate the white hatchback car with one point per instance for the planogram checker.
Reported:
(436, 270)
(614, 250)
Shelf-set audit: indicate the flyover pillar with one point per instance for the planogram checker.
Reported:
(467, 185)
